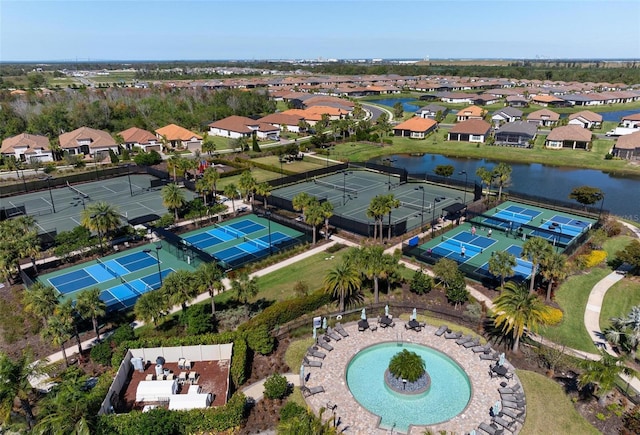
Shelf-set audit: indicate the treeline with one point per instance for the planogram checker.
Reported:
(117, 109)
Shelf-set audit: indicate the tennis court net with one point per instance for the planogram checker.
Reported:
(572, 229)
(77, 191)
(414, 206)
(518, 217)
(257, 243)
(336, 186)
(459, 244)
(129, 286)
(108, 269)
(235, 233)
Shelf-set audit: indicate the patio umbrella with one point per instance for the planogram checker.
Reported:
(502, 359)
(315, 335)
(302, 375)
(415, 314)
(496, 408)
(363, 315)
(324, 323)
(386, 310)
(473, 432)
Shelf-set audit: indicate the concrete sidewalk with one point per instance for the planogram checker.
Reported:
(256, 390)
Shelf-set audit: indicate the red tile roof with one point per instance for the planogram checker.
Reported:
(30, 141)
(281, 118)
(629, 141)
(175, 132)
(471, 126)
(543, 114)
(570, 132)
(471, 111)
(235, 123)
(416, 124)
(137, 135)
(98, 138)
(588, 115)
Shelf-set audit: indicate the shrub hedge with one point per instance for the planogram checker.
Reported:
(272, 168)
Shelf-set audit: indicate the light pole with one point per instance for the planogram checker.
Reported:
(422, 209)
(433, 219)
(158, 248)
(268, 214)
(53, 206)
(465, 185)
(344, 187)
(129, 177)
(390, 161)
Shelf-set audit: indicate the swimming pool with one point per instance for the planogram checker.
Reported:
(448, 395)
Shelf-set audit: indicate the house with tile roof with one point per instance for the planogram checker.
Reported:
(431, 111)
(544, 118)
(631, 121)
(569, 136)
(28, 148)
(179, 137)
(586, 119)
(235, 127)
(283, 122)
(506, 114)
(628, 146)
(471, 112)
(471, 130)
(517, 101)
(139, 138)
(517, 133)
(415, 128)
(547, 100)
(87, 141)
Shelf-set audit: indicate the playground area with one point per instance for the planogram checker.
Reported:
(60, 208)
(243, 240)
(122, 277)
(503, 228)
(350, 192)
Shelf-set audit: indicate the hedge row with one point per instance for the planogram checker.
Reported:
(239, 362)
(271, 168)
(161, 421)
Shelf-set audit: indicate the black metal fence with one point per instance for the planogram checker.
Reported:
(557, 204)
(182, 250)
(449, 181)
(307, 176)
(400, 172)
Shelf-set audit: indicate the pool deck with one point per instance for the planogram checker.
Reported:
(355, 419)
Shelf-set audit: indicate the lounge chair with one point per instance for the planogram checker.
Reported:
(513, 405)
(331, 333)
(363, 325)
(519, 397)
(306, 391)
(510, 390)
(481, 349)
(490, 356)
(441, 330)
(452, 335)
(326, 346)
(341, 330)
(314, 352)
(463, 340)
(473, 343)
(311, 363)
(517, 416)
(491, 430)
(509, 425)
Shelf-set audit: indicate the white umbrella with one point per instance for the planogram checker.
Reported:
(324, 323)
(302, 375)
(386, 310)
(415, 314)
(497, 408)
(363, 315)
(314, 334)
(502, 359)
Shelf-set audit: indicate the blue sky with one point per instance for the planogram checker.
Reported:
(308, 29)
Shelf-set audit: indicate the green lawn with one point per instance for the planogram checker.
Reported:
(619, 300)
(615, 244)
(278, 285)
(572, 297)
(259, 174)
(559, 418)
(308, 164)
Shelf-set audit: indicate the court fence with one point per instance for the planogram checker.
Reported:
(558, 204)
(183, 250)
(448, 181)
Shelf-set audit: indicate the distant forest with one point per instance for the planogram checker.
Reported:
(562, 70)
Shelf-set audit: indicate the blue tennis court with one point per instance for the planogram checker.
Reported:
(452, 248)
(246, 226)
(511, 216)
(209, 238)
(126, 294)
(136, 261)
(566, 225)
(523, 267)
(251, 249)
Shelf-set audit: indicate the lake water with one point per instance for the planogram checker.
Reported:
(622, 194)
(407, 107)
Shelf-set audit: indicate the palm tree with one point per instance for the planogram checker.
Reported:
(41, 301)
(211, 176)
(208, 144)
(14, 384)
(210, 280)
(314, 216)
(89, 305)
(371, 263)
(301, 201)
(231, 192)
(174, 164)
(150, 307)
(247, 185)
(202, 188)
(326, 209)
(101, 217)
(264, 190)
(486, 177)
(343, 282)
(307, 423)
(244, 287)
(553, 268)
(535, 249)
(501, 264)
(625, 331)
(502, 173)
(180, 287)
(68, 312)
(518, 309)
(375, 212)
(172, 198)
(603, 373)
(390, 202)
(57, 332)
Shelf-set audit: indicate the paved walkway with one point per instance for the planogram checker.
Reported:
(256, 390)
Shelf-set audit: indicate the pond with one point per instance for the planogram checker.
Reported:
(405, 103)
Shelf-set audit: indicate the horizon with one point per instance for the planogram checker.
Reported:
(62, 31)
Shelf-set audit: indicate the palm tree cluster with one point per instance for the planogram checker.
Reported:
(379, 207)
(501, 174)
(18, 239)
(624, 332)
(314, 212)
(407, 365)
(345, 280)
